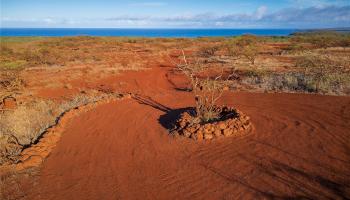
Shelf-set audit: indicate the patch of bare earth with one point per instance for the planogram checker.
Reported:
(298, 149)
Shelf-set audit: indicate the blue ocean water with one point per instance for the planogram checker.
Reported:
(189, 33)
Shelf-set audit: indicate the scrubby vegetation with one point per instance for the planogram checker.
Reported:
(315, 62)
(246, 46)
(322, 39)
(23, 125)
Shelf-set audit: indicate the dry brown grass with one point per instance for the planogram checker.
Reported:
(10, 83)
(22, 126)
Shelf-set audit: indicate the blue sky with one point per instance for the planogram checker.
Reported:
(176, 14)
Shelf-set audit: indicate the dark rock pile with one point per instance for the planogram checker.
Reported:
(231, 122)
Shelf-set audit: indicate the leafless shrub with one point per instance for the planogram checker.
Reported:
(207, 89)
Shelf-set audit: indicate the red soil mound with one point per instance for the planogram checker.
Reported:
(121, 150)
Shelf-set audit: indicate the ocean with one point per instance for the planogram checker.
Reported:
(188, 33)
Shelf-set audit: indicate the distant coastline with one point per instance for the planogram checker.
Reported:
(127, 32)
(340, 30)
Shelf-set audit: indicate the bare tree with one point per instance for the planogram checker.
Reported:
(207, 89)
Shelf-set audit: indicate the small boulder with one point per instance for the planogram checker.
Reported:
(192, 129)
(199, 135)
(222, 125)
(208, 136)
(182, 124)
(207, 131)
(187, 133)
(228, 132)
(194, 136)
(217, 133)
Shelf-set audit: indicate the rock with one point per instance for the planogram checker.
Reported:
(222, 125)
(197, 126)
(194, 136)
(191, 129)
(217, 133)
(186, 116)
(199, 135)
(187, 133)
(175, 133)
(208, 136)
(228, 132)
(207, 126)
(207, 131)
(127, 96)
(234, 131)
(182, 124)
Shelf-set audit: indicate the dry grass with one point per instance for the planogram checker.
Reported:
(22, 126)
(66, 51)
(322, 39)
(312, 67)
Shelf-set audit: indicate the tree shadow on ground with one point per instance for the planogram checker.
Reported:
(170, 116)
(282, 179)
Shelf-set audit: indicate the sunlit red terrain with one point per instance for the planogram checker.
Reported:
(119, 146)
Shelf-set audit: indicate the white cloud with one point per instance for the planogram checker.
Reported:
(260, 12)
(312, 17)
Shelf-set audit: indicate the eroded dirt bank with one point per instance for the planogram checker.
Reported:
(121, 150)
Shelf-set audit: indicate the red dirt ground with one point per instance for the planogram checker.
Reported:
(121, 150)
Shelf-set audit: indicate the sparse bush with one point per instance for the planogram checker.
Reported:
(322, 39)
(207, 89)
(324, 71)
(316, 74)
(245, 46)
(43, 56)
(208, 51)
(295, 47)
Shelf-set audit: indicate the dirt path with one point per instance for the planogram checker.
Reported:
(300, 149)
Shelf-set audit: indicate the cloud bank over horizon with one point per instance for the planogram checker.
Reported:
(320, 14)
